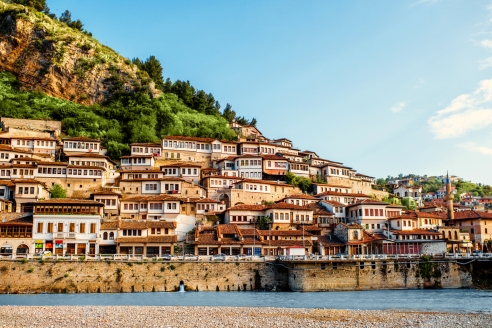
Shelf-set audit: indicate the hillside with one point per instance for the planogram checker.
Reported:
(49, 70)
(49, 56)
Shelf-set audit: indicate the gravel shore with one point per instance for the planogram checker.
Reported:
(164, 316)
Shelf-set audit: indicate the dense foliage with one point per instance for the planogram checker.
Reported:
(433, 184)
(57, 191)
(301, 182)
(129, 117)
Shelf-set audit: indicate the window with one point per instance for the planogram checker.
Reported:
(82, 228)
(50, 227)
(93, 228)
(40, 227)
(60, 227)
(72, 227)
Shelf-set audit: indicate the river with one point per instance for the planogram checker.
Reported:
(452, 300)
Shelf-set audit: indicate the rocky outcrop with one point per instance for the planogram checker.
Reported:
(49, 56)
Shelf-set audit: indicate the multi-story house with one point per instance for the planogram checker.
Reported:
(110, 200)
(369, 214)
(159, 207)
(414, 192)
(81, 145)
(342, 197)
(16, 234)
(28, 191)
(137, 162)
(299, 168)
(300, 199)
(190, 172)
(187, 148)
(151, 149)
(275, 167)
(148, 238)
(478, 225)
(67, 226)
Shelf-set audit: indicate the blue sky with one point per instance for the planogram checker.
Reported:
(385, 87)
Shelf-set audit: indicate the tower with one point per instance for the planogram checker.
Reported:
(449, 198)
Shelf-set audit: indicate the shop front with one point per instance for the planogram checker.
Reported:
(58, 247)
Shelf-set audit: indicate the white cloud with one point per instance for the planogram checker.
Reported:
(486, 43)
(467, 112)
(398, 107)
(486, 63)
(475, 148)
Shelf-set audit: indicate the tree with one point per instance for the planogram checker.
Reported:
(39, 5)
(303, 183)
(66, 17)
(409, 203)
(228, 113)
(57, 191)
(153, 67)
(263, 222)
(253, 122)
(290, 178)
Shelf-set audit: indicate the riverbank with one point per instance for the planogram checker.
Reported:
(155, 316)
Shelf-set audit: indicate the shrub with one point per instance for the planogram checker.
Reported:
(31, 270)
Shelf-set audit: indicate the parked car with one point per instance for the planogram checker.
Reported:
(476, 253)
(219, 257)
(167, 257)
(190, 257)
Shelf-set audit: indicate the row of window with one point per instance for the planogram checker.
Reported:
(152, 206)
(38, 143)
(61, 227)
(205, 206)
(25, 190)
(15, 232)
(253, 187)
(156, 151)
(251, 174)
(88, 163)
(107, 202)
(138, 160)
(299, 167)
(252, 162)
(150, 186)
(66, 209)
(81, 145)
(406, 223)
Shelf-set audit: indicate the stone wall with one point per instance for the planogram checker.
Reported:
(332, 276)
(146, 276)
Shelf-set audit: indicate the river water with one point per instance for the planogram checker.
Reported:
(453, 300)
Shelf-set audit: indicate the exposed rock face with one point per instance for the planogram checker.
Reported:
(51, 57)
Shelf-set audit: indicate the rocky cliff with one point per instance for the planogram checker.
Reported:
(49, 56)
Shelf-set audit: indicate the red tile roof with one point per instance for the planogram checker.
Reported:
(466, 215)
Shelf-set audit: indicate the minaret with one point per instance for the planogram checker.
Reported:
(449, 198)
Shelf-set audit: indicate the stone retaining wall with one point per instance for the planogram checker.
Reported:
(147, 276)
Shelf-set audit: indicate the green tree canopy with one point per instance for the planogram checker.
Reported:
(57, 191)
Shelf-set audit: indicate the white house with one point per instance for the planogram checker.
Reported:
(67, 226)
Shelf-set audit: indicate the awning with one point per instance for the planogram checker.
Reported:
(39, 241)
(58, 241)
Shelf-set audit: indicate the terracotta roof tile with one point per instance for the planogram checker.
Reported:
(149, 239)
(133, 224)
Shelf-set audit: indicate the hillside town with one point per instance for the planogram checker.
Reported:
(212, 197)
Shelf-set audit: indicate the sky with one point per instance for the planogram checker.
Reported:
(386, 87)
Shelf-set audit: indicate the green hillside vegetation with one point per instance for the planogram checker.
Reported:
(132, 117)
(125, 116)
(433, 184)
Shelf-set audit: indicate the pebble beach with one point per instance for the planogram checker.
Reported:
(165, 316)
